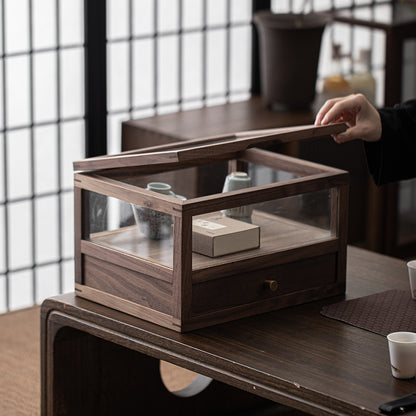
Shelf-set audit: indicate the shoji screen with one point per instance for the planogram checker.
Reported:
(170, 55)
(41, 132)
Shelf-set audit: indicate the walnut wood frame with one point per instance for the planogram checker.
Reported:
(183, 298)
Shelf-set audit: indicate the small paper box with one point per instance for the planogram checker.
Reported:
(135, 249)
(217, 235)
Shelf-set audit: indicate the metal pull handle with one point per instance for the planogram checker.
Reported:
(271, 285)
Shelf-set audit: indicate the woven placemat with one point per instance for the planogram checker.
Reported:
(382, 313)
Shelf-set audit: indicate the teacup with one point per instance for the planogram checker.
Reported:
(155, 225)
(233, 182)
(402, 351)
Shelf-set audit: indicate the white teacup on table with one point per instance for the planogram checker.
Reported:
(402, 350)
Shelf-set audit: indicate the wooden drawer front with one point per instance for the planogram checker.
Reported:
(127, 284)
(245, 288)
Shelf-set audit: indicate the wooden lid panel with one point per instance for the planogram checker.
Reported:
(209, 148)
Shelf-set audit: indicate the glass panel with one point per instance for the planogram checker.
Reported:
(113, 131)
(117, 19)
(46, 162)
(190, 183)
(71, 22)
(322, 5)
(133, 229)
(167, 71)
(168, 15)
(240, 58)
(16, 25)
(46, 229)
(378, 48)
(192, 14)
(2, 242)
(216, 12)
(379, 76)
(72, 83)
(21, 289)
(47, 282)
(1, 29)
(167, 109)
(118, 88)
(325, 56)
(383, 13)
(20, 235)
(17, 91)
(72, 148)
(362, 40)
(44, 25)
(208, 179)
(1, 91)
(278, 224)
(262, 175)
(143, 72)
(19, 164)
(280, 6)
(343, 3)
(67, 224)
(364, 13)
(192, 66)
(216, 61)
(2, 169)
(235, 97)
(68, 271)
(260, 229)
(342, 36)
(45, 83)
(241, 11)
(143, 17)
(232, 233)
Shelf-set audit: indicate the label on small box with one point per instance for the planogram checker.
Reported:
(209, 225)
(217, 236)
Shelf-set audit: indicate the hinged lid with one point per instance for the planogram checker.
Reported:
(206, 149)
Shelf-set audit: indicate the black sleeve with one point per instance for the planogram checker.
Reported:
(393, 157)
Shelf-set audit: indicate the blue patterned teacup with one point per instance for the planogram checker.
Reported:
(155, 225)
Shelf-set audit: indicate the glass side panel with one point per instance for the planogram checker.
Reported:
(190, 182)
(208, 179)
(129, 228)
(262, 175)
(260, 229)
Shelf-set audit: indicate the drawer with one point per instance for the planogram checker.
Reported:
(250, 287)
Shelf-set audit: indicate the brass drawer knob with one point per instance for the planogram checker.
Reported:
(271, 284)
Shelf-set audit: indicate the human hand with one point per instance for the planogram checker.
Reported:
(355, 110)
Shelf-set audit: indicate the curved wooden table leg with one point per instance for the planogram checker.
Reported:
(83, 374)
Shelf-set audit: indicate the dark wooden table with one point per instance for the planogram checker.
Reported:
(98, 361)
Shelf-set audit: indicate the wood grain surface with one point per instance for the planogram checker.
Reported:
(208, 148)
(292, 356)
(100, 268)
